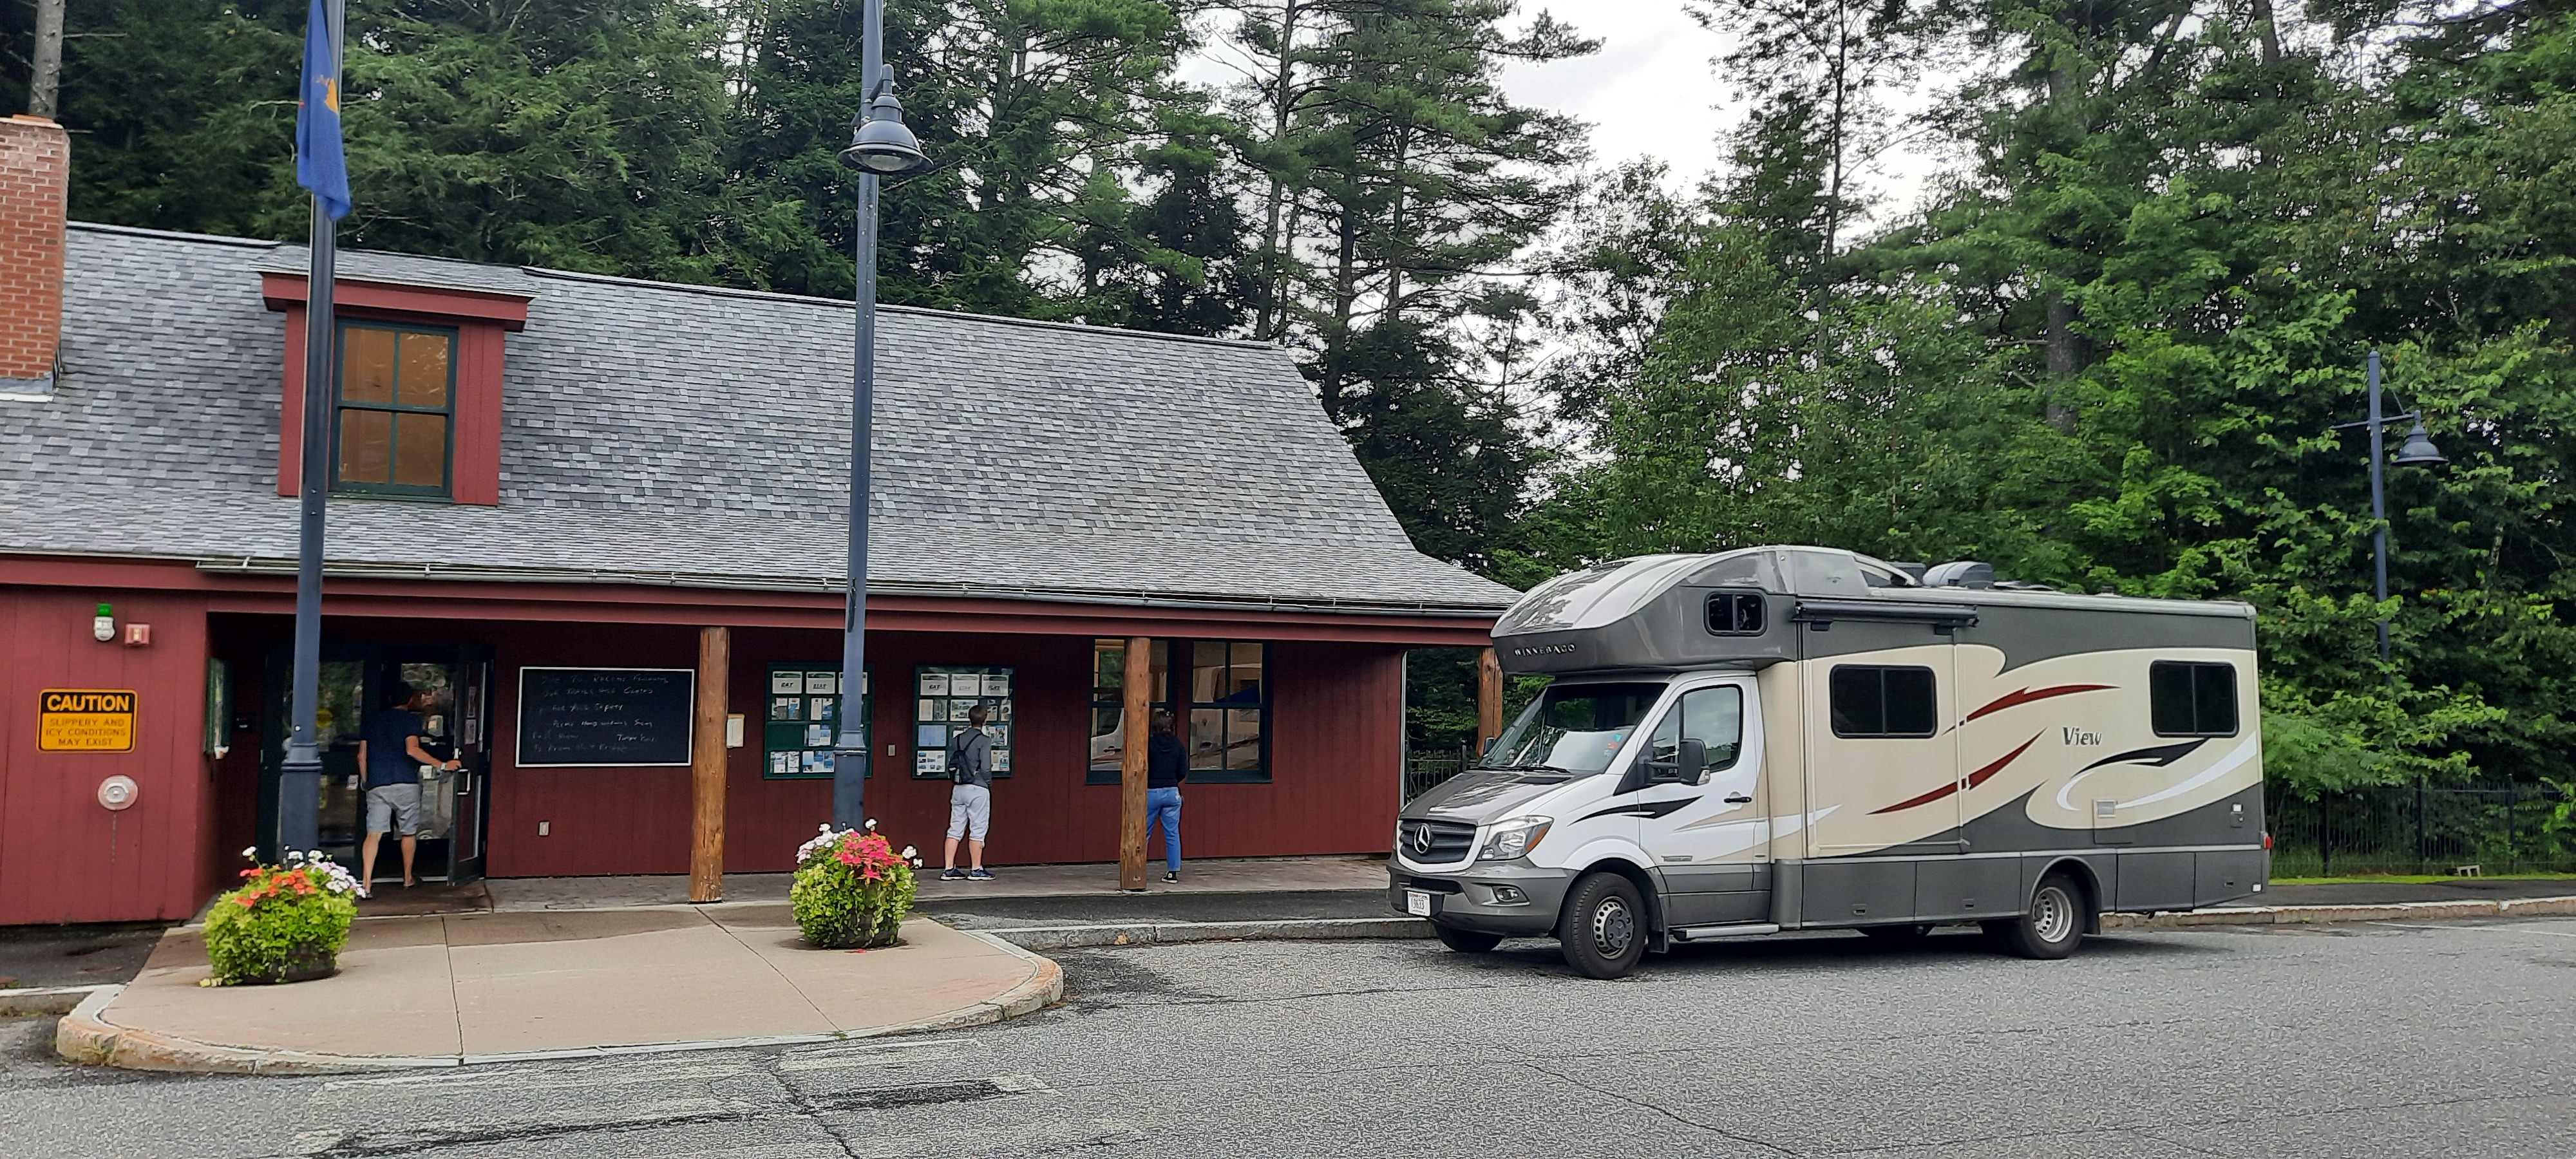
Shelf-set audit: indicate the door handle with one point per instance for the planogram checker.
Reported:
(1737, 799)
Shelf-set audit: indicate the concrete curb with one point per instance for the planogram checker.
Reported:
(1165, 933)
(26, 1001)
(2298, 915)
(85, 1036)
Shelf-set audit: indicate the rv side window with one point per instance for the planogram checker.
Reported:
(1874, 701)
(2192, 699)
(1735, 614)
(1712, 716)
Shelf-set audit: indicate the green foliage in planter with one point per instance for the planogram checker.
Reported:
(852, 890)
(283, 918)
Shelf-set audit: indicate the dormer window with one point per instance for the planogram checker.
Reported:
(393, 430)
(415, 390)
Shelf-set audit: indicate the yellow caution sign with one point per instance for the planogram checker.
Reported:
(85, 720)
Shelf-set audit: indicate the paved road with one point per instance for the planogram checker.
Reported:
(2434, 1039)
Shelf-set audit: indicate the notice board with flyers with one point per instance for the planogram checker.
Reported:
(942, 693)
(803, 712)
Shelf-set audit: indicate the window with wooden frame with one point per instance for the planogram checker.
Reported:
(1223, 684)
(393, 418)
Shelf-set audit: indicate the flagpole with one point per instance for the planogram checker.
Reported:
(299, 783)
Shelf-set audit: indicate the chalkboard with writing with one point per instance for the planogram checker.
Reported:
(592, 717)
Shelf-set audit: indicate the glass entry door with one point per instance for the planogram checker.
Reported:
(452, 684)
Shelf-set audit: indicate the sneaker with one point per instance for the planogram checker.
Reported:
(364, 893)
(952, 873)
(980, 875)
(1171, 879)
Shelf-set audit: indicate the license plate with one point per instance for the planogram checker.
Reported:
(1418, 902)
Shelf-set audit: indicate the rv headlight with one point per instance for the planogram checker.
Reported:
(1514, 838)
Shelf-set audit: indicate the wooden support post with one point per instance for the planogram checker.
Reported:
(1489, 699)
(707, 768)
(1135, 733)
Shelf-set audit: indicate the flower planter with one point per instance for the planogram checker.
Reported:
(285, 924)
(303, 964)
(852, 890)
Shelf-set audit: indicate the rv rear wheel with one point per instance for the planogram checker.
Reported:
(2052, 926)
(1467, 941)
(1603, 927)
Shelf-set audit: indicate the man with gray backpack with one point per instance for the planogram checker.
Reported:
(970, 797)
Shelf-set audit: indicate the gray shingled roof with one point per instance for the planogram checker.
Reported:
(679, 434)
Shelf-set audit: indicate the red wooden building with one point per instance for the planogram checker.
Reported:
(550, 486)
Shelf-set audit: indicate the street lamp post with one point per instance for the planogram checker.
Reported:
(880, 146)
(2416, 451)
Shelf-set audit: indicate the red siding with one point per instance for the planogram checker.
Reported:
(1336, 717)
(63, 857)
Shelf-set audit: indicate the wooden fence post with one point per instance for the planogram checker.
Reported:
(707, 767)
(1489, 699)
(1135, 734)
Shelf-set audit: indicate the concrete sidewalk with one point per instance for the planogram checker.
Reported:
(443, 991)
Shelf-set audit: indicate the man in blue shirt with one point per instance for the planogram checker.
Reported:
(389, 760)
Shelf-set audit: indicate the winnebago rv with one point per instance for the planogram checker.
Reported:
(1785, 738)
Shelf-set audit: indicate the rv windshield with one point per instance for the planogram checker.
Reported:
(1573, 728)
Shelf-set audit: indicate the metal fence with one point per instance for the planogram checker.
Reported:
(2489, 829)
(1424, 768)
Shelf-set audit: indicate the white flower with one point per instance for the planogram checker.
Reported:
(334, 878)
(872, 824)
(250, 853)
(909, 851)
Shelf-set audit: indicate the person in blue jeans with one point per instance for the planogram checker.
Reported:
(1167, 764)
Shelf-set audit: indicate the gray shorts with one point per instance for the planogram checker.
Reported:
(970, 812)
(394, 808)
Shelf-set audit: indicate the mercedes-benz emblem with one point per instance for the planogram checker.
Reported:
(1421, 837)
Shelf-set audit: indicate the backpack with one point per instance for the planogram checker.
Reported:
(957, 747)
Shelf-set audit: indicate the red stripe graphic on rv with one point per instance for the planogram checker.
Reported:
(2026, 695)
(1975, 779)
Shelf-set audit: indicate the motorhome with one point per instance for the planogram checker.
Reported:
(1799, 738)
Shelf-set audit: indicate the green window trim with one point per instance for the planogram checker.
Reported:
(342, 406)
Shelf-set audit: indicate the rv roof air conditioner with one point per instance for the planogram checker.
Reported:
(1965, 573)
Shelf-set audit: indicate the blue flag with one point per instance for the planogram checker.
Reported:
(319, 163)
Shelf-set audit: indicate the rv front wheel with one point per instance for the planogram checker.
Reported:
(1603, 927)
(2053, 925)
(1467, 941)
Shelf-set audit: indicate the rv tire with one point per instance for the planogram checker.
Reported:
(1467, 941)
(1603, 926)
(2051, 926)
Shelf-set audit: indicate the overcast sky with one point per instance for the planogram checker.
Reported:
(1649, 91)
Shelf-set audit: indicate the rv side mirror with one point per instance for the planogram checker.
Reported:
(1692, 762)
(1488, 750)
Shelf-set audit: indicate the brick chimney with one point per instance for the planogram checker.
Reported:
(35, 178)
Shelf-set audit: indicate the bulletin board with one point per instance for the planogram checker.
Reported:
(941, 695)
(803, 713)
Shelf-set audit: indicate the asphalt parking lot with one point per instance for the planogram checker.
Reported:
(2376, 1039)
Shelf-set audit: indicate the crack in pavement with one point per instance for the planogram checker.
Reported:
(1659, 1109)
(378, 1144)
